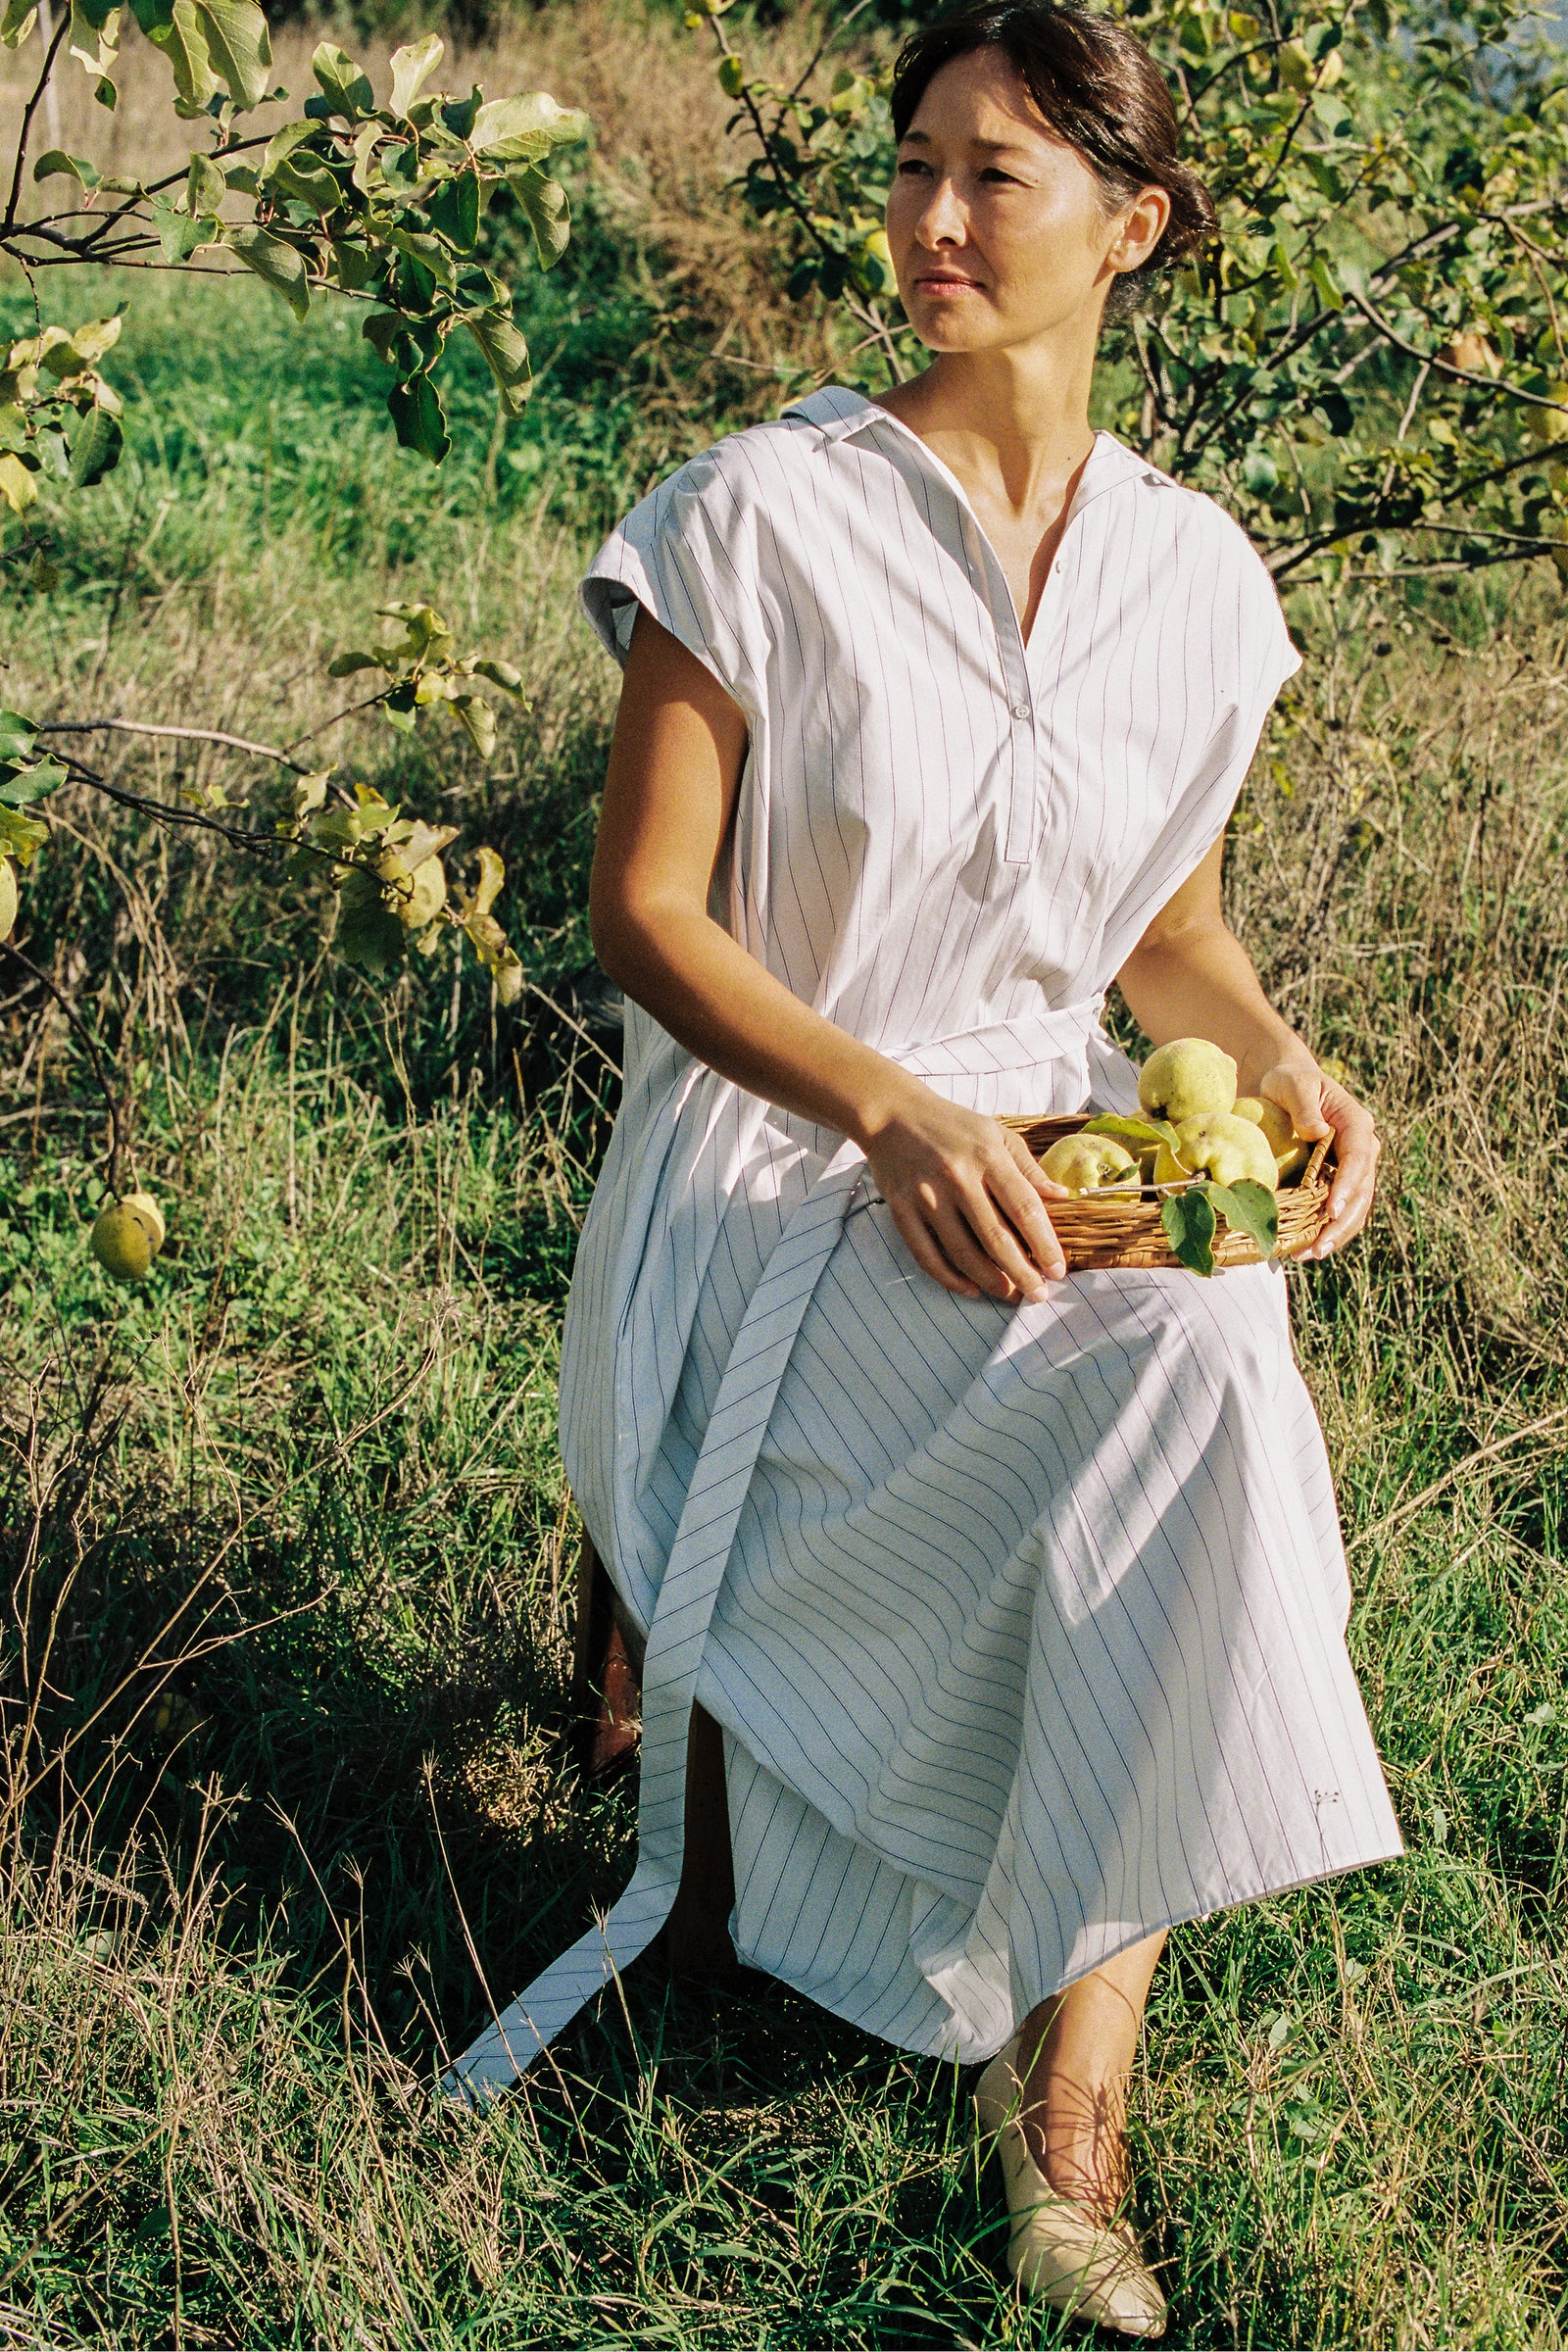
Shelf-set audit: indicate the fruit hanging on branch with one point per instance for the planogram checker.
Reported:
(128, 1236)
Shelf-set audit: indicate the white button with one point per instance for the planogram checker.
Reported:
(1020, 709)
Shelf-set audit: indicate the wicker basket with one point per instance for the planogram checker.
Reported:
(1123, 1228)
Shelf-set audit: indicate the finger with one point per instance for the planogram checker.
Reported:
(1348, 1208)
(1023, 1159)
(997, 1236)
(1025, 1213)
(1302, 1099)
(922, 1245)
(971, 1256)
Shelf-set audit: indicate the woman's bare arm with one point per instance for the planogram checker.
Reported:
(966, 1194)
(1190, 976)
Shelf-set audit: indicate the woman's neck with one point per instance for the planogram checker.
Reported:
(1013, 424)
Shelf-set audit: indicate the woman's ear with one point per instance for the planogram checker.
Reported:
(1141, 229)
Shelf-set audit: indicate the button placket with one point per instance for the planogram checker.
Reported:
(1024, 782)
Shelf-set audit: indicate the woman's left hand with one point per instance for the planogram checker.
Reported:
(1317, 1107)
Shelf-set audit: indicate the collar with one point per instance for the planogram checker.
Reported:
(837, 411)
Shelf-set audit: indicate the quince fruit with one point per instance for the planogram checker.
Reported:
(1472, 351)
(149, 1208)
(124, 1242)
(1186, 1079)
(1549, 425)
(1219, 1145)
(1290, 1150)
(8, 896)
(1090, 1164)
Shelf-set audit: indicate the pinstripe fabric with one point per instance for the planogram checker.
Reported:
(1025, 1625)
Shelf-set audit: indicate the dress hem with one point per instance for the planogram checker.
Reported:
(1139, 1935)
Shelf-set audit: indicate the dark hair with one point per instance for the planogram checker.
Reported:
(1098, 90)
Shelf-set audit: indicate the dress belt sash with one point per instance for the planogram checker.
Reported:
(698, 1559)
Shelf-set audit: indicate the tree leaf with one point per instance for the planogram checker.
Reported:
(18, 487)
(17, 22)
(21, 837)
(1138, 1133)
(524, 129)
(495, 952)
(280, 265)
(492, 875)
(95, 448)
(184, 44)
(1189, 1223)
(283, 142)
(419, 418)
(346, 89)
(477, 720)
(305, 180)
(345, 666)
(504, 674)
(179, 236)
(369, 935)
(428, 251)
(204, 188)
(18, 737)
(239, 48)
(544, 204)
(20, 787)
(72, 167)
(459, 114)
(94, 340)
(357, 268)
(411, 67)
(1249, 1209)
(454, 209)
(507, 353)
(95, 34)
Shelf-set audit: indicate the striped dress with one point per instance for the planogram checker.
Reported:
(1024, 1623)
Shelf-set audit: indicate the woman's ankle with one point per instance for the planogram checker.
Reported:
(1075, 2130)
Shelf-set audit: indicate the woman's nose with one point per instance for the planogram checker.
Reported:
(943, 220)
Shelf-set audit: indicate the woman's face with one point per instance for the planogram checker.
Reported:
(999, 231)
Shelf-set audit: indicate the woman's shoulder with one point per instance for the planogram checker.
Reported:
(734, 480)
(1197, 523)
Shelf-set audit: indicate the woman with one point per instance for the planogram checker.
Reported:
(1018, 1596)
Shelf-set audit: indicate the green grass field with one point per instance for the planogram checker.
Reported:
(289, 1556)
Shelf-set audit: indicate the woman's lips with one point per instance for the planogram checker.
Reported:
(946, 282)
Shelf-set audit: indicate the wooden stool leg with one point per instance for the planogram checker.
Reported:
(606, 1692)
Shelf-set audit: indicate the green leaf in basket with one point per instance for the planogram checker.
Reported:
(1189, 1223)
(1249, 1209)
(1138, 1134)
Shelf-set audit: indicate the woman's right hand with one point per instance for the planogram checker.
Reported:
(967, 1194)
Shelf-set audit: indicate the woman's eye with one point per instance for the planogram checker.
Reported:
(995, 171)
(909, 165)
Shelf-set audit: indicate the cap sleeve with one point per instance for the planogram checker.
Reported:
(687, 556)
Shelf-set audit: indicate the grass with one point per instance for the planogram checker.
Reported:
(288, 1554)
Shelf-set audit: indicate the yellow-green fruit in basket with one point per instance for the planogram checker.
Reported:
(1219, 1145)
(1290, 1150)
(1185, 1078)
(1090, 1164)
(124, 1242)
(8, 896)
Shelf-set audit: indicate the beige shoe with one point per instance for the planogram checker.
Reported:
(1059, 2253)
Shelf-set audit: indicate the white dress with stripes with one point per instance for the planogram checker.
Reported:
(1024, 1623)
